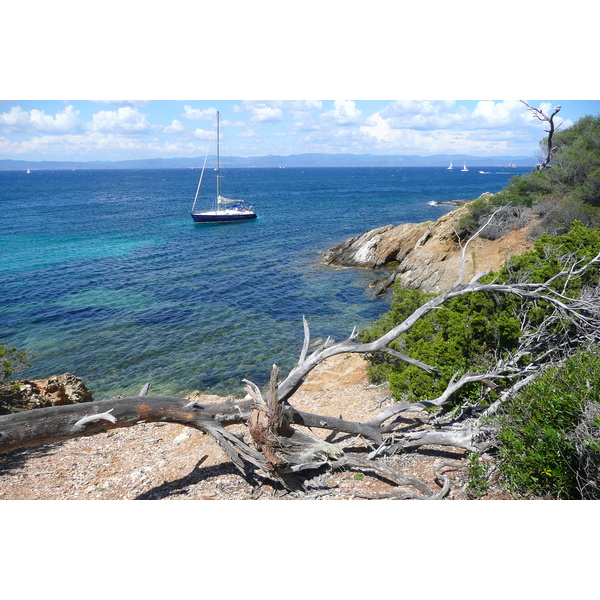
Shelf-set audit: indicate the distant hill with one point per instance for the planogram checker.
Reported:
(294, 160)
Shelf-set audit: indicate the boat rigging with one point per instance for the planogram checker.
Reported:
(224, 210)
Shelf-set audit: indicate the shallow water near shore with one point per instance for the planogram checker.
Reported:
(104, 274)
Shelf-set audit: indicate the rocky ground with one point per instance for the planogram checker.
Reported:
(427, 255)
(169, 462)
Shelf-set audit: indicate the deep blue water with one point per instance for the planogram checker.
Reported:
(104, 274)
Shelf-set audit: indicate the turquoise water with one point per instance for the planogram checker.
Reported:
(104, 274)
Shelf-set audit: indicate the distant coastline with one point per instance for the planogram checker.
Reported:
(292, 161)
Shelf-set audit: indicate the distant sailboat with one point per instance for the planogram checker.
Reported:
(464, 167)
(224, 210)
(28, 171)
(450, 167)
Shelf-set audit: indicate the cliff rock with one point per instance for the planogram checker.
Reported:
(56, 390)
(427, 255)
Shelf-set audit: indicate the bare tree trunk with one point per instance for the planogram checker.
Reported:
(538, 114)
(59, 423)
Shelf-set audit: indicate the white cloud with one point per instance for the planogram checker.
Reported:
(272, 111)
(498, 114)
(299, 109)
(344, 113)
(94, 145)
(202, 134)
(486, 127)
(263, 112)
(423, 114)
(298, 105)
(195, 114)
(417, 107)
(404, 127)
(37, 121)
(123, 120)
(134, 103)
(56, 146)
(429, 115)
(418, 141)
(174, 127)
(8, 148)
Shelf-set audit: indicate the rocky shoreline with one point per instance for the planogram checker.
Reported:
(23, 394)
(426, 255)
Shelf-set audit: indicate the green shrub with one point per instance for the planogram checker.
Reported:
(12, 361)
(470, 331)
(538, 453)
(572, 179)
(477, 472)
(454, 338)
(555, 215)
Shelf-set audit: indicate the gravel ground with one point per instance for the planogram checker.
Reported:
(164, 461)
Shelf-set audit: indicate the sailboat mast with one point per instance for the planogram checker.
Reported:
(203, 168)
(218, 161)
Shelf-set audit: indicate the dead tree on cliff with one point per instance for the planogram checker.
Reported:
(538, 114)
(282, 446)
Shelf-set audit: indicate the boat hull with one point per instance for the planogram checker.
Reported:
(222, 218)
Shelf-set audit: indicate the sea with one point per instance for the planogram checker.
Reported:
(104, 274)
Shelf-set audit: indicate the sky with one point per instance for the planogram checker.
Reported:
(387, 78)
(84, 130)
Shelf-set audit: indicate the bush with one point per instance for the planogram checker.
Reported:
(456, 337)
(12, 361)
(555, 215)
(540, 453)
(573, 179)
(471, 331)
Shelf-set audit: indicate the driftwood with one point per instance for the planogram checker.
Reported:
(283, 445)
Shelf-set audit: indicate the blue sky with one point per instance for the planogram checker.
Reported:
(228, 55)
(84, 130)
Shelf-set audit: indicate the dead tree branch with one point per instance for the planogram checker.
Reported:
(575, 309)
(59, 423)
(281, 450)
(538, 114)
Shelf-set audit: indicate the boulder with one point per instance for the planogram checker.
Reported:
(374, 248)
(427, 256)
(22, 395)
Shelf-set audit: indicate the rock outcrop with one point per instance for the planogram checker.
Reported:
(428, 255)
(56, 390)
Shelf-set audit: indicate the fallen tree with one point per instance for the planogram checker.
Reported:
(283, 447)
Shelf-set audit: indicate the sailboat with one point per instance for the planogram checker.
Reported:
(224, 210)
(450, 167)
(464, 167)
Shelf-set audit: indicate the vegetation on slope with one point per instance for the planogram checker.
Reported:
(568, 190)
(548, 435)
(473, 330)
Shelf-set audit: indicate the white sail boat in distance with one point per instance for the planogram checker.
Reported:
(464, 167)
(450, 167)
(224, 210)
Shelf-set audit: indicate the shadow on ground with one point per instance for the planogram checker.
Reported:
(13, 461)
(197, 475)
